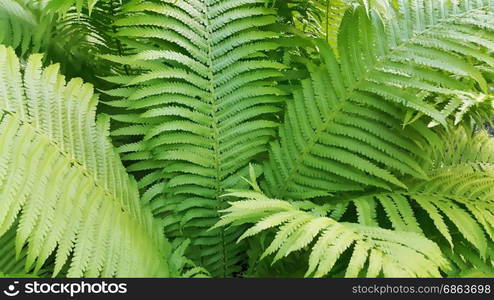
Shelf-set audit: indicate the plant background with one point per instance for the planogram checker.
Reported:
(246, 138)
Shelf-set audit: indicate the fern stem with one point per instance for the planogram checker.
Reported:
(216, 134)
(327, 21)
(117, 41)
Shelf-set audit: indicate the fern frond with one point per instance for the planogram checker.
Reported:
(374, 251)
(330, 145)
(64, 184)
(201, 105)
(463, 172)
(448, 39)
(343, 131)
(457, 198)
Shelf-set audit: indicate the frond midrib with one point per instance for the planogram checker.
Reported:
(216, 133)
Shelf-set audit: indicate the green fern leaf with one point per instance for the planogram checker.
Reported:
(392, 253)
(204, 100)
(64, 184)
(343, 131)
(458, 193)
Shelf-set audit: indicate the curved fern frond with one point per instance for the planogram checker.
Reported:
(63, 183)
(201, 106)
(457, 199)
(329, 145)
(463, 172)
(374, 251)
(343, 131)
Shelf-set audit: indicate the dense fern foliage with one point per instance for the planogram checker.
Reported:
(246, 138)
(71, 36)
